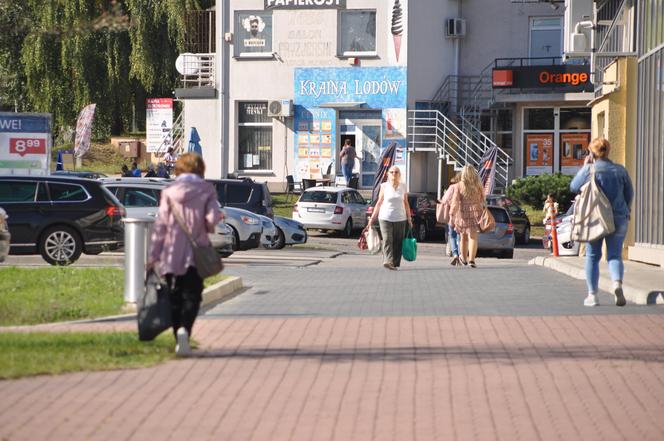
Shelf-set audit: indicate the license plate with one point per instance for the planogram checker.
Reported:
(316, 210)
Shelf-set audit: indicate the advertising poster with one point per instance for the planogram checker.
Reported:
(394, 129)
(573, 151)
(25, 143)
(397, 38)
(314, 142)
(539, 153)
(253, 33)
(158, 124)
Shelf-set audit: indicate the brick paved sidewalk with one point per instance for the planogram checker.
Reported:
(369, 378)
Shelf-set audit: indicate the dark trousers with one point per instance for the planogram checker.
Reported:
(393, 234)
(186, 295)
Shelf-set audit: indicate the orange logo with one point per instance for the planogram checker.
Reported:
(563, 78)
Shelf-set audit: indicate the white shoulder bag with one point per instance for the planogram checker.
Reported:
(593, 214)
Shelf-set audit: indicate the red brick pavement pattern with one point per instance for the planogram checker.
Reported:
(397, 378)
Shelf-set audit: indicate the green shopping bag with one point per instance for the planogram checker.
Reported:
(409, 247)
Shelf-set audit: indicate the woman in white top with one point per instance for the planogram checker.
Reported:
(393, 213)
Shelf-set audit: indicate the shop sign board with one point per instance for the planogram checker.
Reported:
(158, 124)
(318, 91)
(25, 143)
(566, 78)
(539, 153)
(573, 151)
(305, 4)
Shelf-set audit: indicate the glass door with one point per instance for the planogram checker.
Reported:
(369, 152)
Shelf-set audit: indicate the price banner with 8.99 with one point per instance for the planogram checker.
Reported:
(25, 143)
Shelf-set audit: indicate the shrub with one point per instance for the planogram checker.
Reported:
(532, 190)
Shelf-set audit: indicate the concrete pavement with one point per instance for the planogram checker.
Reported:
(346, 350)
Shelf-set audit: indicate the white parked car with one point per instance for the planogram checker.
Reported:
(141, 196)
(270, 231)
(289, 232)
(331, 208)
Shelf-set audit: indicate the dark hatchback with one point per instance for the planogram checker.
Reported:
(245, 194)
(517, 214)
(60, 218)
(423, 213)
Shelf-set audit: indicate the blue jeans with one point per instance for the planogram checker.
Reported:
(347, 170)
(454, 240)
(614, 243)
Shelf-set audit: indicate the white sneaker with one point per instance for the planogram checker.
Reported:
(182, 348)
(618, 292)
(591, 300)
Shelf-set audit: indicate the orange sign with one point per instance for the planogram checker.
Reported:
(573, 151)
(539, 153)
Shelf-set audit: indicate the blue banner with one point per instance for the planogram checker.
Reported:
(375, 87)
(22, 123)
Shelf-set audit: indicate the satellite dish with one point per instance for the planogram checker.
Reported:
(187, 64)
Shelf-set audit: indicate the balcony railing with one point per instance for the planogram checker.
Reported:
(199, 32)
(198, 70)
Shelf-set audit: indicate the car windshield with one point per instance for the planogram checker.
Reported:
(325, 197)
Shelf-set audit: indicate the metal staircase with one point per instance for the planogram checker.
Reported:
(433, 131)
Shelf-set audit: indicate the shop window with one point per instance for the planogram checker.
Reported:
(575, 118)
(546, 38)
(253, 34)
(254, 136)
(357, 33)
(538, 119)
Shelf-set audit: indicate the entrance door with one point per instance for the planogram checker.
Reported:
(366, 125)
(370, 153)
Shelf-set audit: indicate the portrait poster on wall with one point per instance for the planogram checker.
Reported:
(573, 151)
(539, 153)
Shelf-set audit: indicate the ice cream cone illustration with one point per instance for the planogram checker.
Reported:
(397, 27)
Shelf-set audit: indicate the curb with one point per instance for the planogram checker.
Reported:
(222, 290)
(633, 294)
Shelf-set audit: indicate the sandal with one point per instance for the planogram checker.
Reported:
(472, 264)
(455, 261)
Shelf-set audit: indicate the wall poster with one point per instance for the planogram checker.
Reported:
(315, 134)
(539, 153)
(573, 151)
(159, 123)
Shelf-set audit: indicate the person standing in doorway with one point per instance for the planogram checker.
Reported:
(347, 157)
(393, 213)
(615, 183)
(171, 253)
(466, 212)
(170, 158)
(453, 236)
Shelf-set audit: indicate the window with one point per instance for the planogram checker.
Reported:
(253, 34)
(141, 198)
(238, 194)
(67, 192)
(325, 197)
(11, 191)
(254, 136)
(357, 33)
(500, 215)
(539, 119)
(546, 38)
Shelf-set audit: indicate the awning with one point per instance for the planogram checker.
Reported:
(348, 105)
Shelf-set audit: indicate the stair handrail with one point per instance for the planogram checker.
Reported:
(174, 138)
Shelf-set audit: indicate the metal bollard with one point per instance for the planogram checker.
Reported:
(136, 245)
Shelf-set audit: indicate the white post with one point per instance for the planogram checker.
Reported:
(136, 246)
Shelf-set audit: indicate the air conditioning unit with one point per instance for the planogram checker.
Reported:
(455, 28)
(280, 108)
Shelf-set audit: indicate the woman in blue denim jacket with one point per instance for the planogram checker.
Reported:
(617, 186)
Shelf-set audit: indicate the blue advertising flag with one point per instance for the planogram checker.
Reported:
(59, 165)
(384, 163)
(194, 142)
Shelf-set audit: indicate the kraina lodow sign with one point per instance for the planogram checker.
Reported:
(25, 143)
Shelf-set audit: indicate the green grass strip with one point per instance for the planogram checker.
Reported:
(42, 295)
(55, 353)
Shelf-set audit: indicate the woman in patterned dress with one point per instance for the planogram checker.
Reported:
(466, 211)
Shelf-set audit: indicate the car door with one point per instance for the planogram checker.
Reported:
(361, 209)
(141, 202)
(26, 203)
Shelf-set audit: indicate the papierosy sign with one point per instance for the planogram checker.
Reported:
(305, 4)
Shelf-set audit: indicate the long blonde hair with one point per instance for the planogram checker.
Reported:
(397, 178)
(472, 185)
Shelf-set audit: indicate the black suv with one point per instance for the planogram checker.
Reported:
(244, 193)
(60, 218)
(520, 220)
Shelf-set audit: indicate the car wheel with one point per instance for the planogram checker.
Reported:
(60, 245)
(279, 243)
(507, 254)
(348, 229)
(236, 244)
(525, 238)
(421, 232)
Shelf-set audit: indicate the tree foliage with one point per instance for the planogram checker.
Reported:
(532, 190)
(59, 55)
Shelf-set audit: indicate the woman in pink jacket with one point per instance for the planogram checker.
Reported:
(195, 201)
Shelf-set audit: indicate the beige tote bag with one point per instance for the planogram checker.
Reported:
(593, 214)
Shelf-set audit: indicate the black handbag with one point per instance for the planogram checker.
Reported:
(207, 260)
(154, 308)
